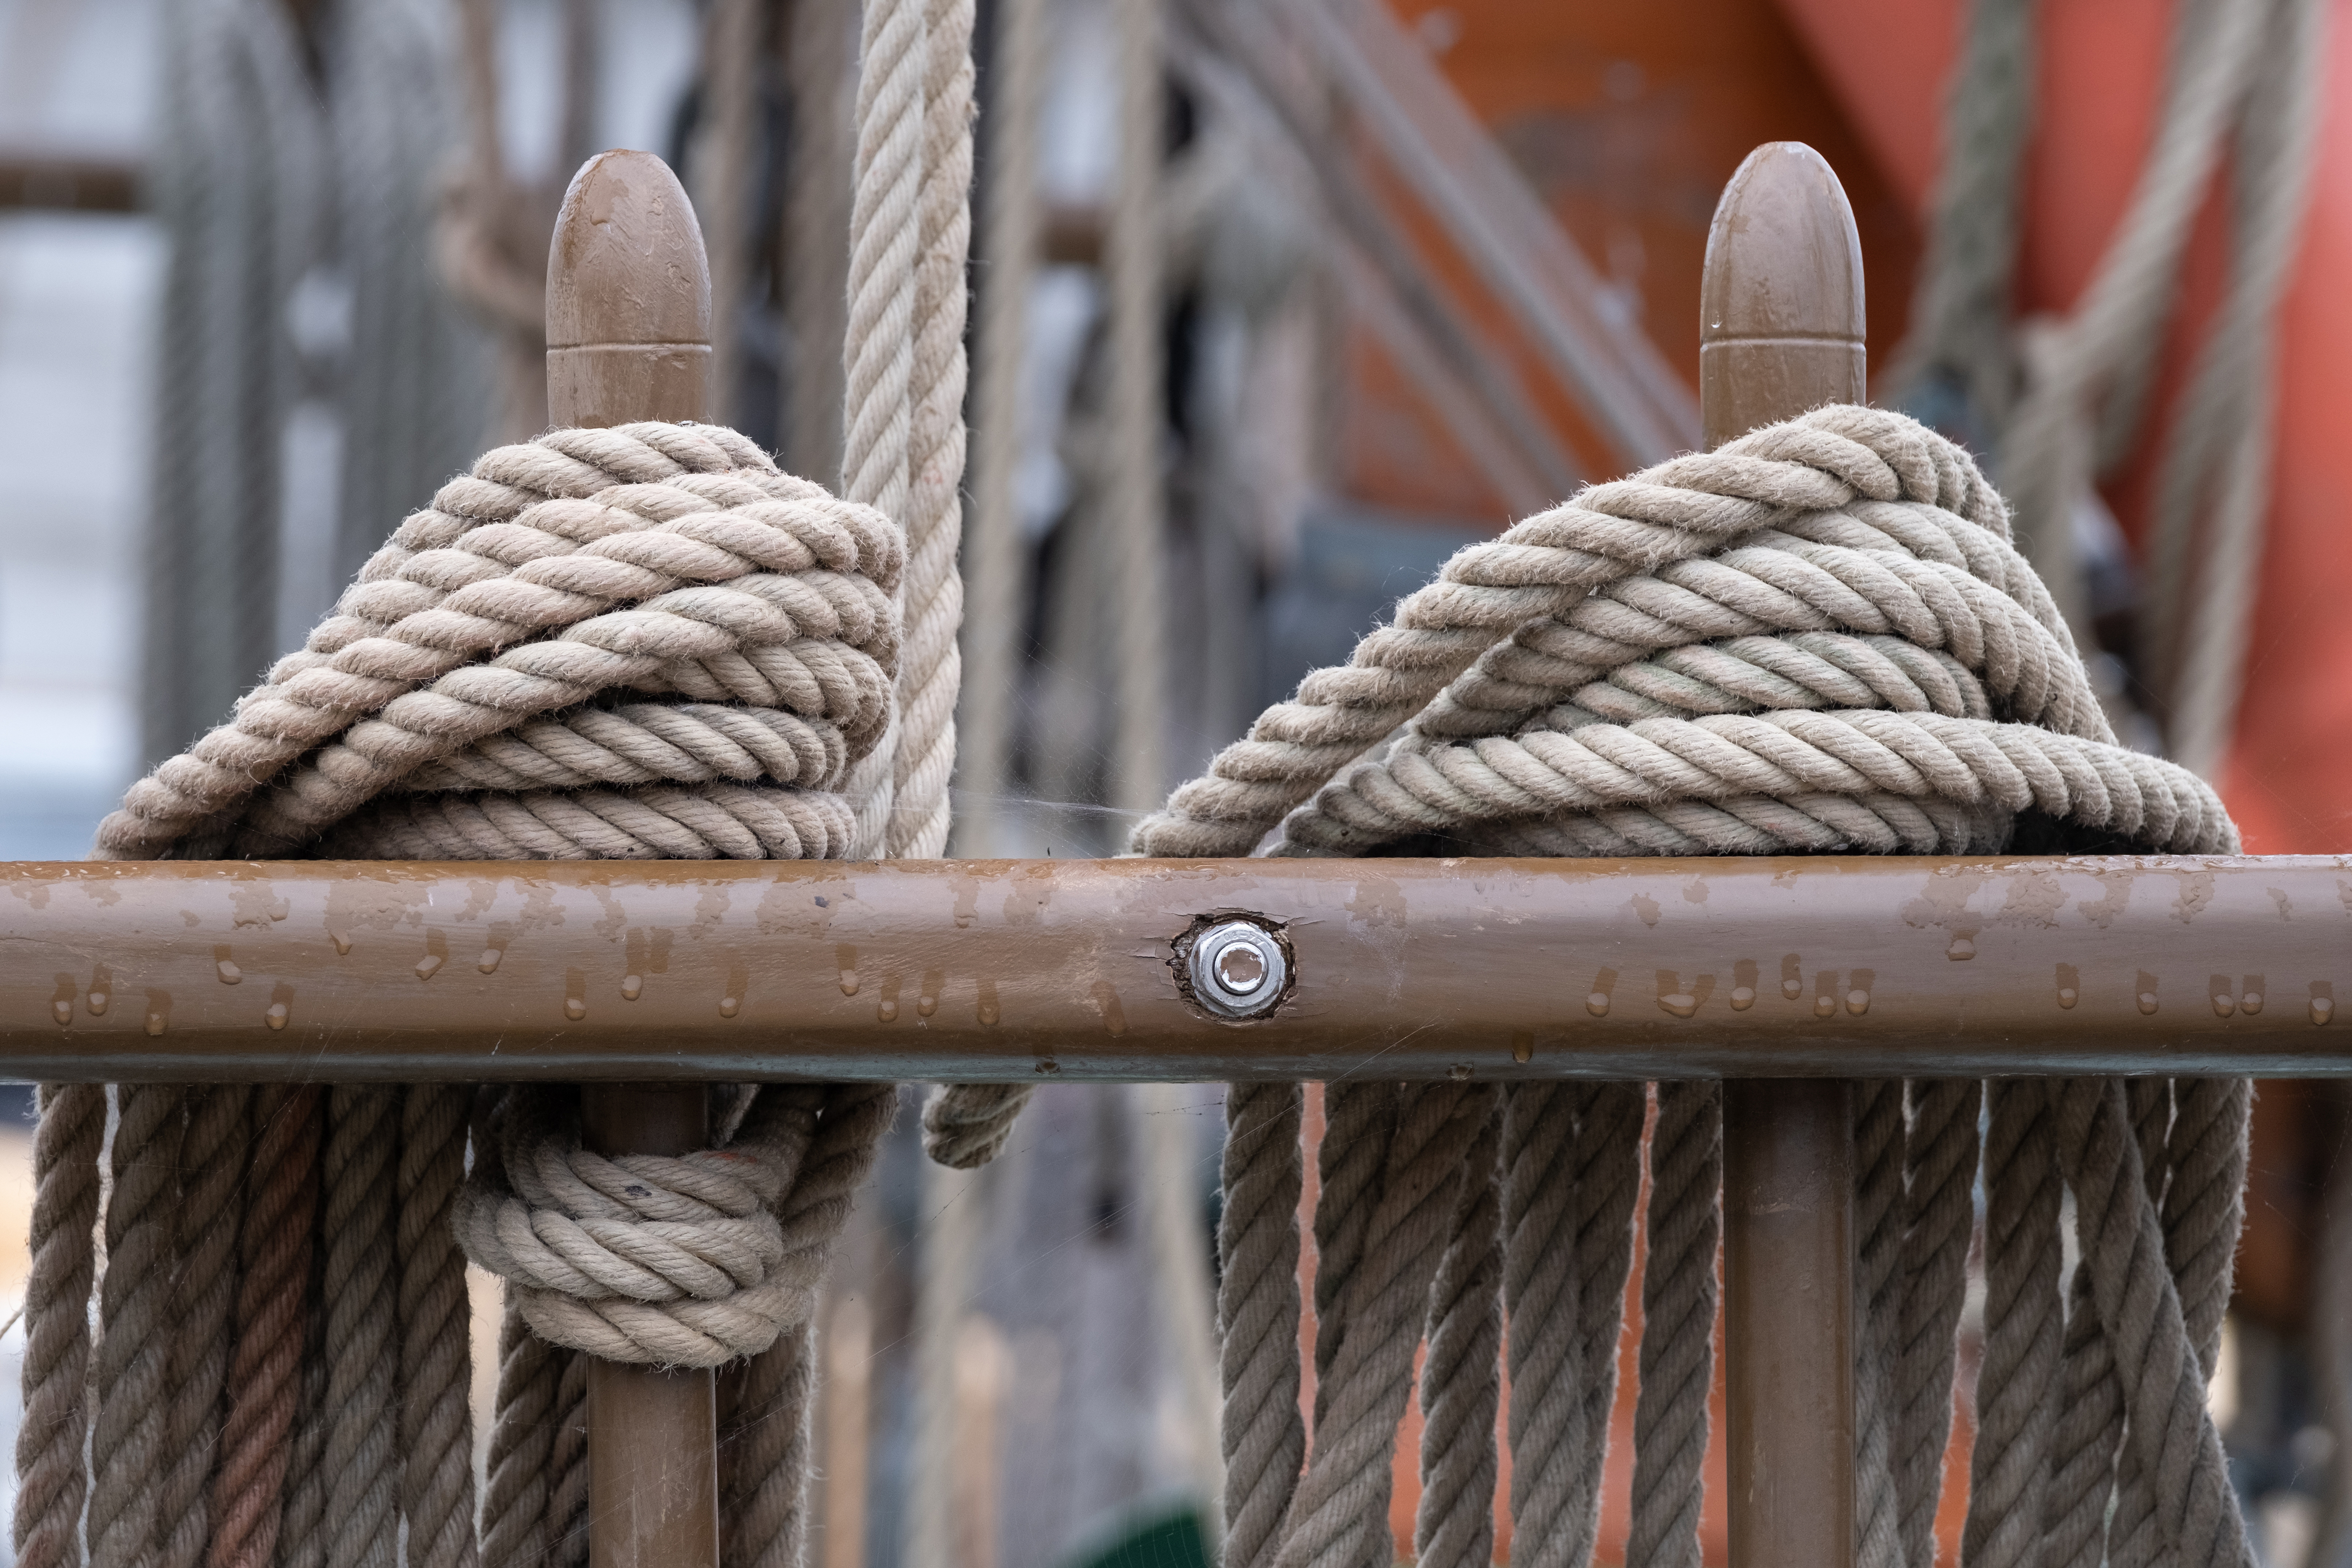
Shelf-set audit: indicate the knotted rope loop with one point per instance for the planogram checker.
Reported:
(670, 1261)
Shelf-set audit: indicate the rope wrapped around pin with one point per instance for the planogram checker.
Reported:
(1816, 638)
(604, 643)
(669, 1260)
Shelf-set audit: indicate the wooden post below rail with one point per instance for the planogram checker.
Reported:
(628, 333)
(1782, 330)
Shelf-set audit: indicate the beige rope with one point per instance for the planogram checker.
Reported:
(1338, 1514)
(436, 1423)
(52, 1478)
(1461, 1377)
(208, 1212)
(1679, 1303)
(1263, 1436)
(2009, 1466)
(360, 1525)
(1571, 1155)
(965, 1125)
(1939, 1169)
(129, 1435)
(1878, 1241)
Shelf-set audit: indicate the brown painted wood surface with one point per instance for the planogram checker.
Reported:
(628, 338)
(1862, 966)
(628, 297)
(1782, 330)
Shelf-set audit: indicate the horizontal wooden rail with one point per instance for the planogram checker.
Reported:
(982, 969)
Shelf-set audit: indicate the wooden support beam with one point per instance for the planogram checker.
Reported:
(628, 338)
(1782, 330)
(1859, 965)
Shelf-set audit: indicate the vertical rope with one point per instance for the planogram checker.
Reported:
(1358, 1120)
(2166, 1424)
(1134, 502)
(436, 1365)
(1339, 1515)
(765, 1440)
(208, 1217)
(1878, 1233)
(134, 1352)
(1461, 1377)
(264, 1370)
(2008, 1469)
(1939, 1173)
(52, 1478)
(1265, 1438)
(885, 243)
(1571, 1158)
(1679, 1291)
(360, 1524)
(514, 1506)
(2133, 1539)
(1012, 221)
(930, 666)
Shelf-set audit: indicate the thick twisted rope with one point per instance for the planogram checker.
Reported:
(1939, 1169)
(2166, 1424)
(360, 1525)
(1461, 1377)
(208, 1215)
(931, 670)
(1678, 1302)
(1846, 521)
(1264, 1437)
(1571, 1153)
(274, 1259)
(436, 1423)
(127, 1436)
(52, 1478)
(2016, 1409)
(1338, 1514)
(1878, 1237)
(659, 558)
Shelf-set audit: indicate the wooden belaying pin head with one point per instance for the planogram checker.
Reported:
(1780, 319)
(628, 297)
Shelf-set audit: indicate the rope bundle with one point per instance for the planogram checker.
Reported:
(1816, 639)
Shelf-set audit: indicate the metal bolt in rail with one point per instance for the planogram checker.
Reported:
(1238, 969)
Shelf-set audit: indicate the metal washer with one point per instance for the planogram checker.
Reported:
(1222, 986)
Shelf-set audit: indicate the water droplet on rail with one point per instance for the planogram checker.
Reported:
(62, 1011)
(276, 1017)
(98, 1000)
(729, 1006)
(2222, 1006)
(2251, 1003)
(1961, 951)
(988, 1009)
(2148, 1001)
(228, 972)
(1682, 1004)
(1857, 1002)
(490, 962)
(2068, 996)
(1523, 1046)
(343, 943)
(1823, 1006)
(631, 986)
(156, 1023)
(887, 1009)
(1742, 998)
(576, 1007)
(1597, 1004)
(928, 1002)
(2322, 1008)
(428, 965)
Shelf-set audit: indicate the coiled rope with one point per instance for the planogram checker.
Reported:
(1819, 638)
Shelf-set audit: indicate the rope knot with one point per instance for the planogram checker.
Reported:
(669, 1260)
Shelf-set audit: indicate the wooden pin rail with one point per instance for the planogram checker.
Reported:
(991, 969)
